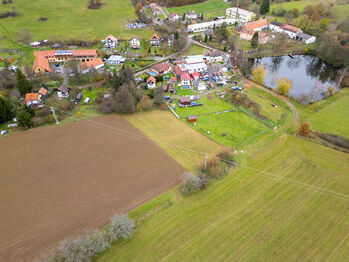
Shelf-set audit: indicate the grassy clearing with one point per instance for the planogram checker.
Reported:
(183, 143)
(290, 5)
(195, 50)
(289, 202)
(229, 129)
(209, 8)
(72, 19)
(330, 115)
(341, 12)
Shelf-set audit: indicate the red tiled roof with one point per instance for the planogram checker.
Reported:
(91, 64)
(41, 61)
(173, 79)
(195, 74)
(162, 67)
(151, 78)
(291, 28)
(154, 36)
(185, 76)
(256, 24)
(31, 96)
(43, 91)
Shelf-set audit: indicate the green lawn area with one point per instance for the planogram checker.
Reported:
(229, 129)
(341, 12)
(266, 100)
(293, 4)
(330, 115)
(195, 50)
(289, 202)
(71, 19)
(209, 8)
(92, 94)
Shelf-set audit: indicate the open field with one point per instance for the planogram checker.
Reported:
(287, 203)
(209, 8)
(71, 19)
(229, 129)
(341, 12)
(180, 141)
(60, 181)
(330, 115)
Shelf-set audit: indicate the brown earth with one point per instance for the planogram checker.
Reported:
(60, 181)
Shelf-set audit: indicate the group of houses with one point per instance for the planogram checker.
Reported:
(34, 99)
(89, 60)
(292, 32)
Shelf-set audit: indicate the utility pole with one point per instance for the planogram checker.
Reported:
(54, 115)
(205, 160)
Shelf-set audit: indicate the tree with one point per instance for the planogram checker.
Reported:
(139, 7)
(304, 129)
(205, 39)
(255, 40)
(6, 112)
(22, 84)
(158, 96)
(202, 17)
(124, 100)
(24, 119)
(258, 74)
(265, 6)
(145, 104)
(176, 35)
(283, 86)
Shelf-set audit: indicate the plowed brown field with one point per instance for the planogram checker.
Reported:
(60, 181)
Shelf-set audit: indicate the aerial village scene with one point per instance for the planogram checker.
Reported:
(130, 120)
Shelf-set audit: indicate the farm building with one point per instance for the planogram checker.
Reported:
(213, 56)
(241, 15)
(209, 25)
(135, 42)
(162, 68)
(258, 25)
(307, 39)
(248, 35)
(290, 30)
(197, 67)
(35, 44)
(151, 82)
(63, 92)
(192, 118)
(275, 26)
(94, 64)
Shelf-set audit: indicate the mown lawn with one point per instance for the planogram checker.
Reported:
(228, 128)
(293, 4)
(195, 50)
(183, 143)
(329, 116)
(289, 202)
(71, 19)
(209, 8)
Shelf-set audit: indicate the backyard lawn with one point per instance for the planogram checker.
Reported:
(289, 202)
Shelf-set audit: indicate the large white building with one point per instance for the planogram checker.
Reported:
(241, 15)
(209, 25)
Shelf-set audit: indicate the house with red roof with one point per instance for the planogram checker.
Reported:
(258, 25)
(94, 64)
(151, 82)
(32, 99)
(161, 68)
(155, 40)
(195, 75)
(185, 81)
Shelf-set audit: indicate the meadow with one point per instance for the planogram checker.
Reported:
(329, 116)
(210, 8)
(289, 202)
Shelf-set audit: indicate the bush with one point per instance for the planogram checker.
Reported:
(24, 119)
(190, 183)
(106, 107)
(212, 167)
(304, 129)
(226, 156)
(145, 103)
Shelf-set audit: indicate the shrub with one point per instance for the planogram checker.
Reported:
(24, 119)
(121, 227)
(42, 18)
(145, 103)
(226, 156)
(212, 167)
(190, 183)
(106, 107)
(304, 129)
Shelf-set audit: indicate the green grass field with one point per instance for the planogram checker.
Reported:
(289, 202)
(195, 50)
(183, 143)
(228, 129)
(71, 19)
(209, 8)
(330, 115)
(341, 12)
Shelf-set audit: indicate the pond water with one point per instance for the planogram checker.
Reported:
(310, 76)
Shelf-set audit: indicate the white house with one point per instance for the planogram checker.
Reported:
(155, 40)
(116, 60)
(213, 56)
(193, 59)
(170, 40)
(151, 82)
(174, 17)
(191, 15)
(201, 86)
(307, 39)
(185, 80)
(135, 42)
(191, 68)
(35, 44)
(275, 26)
(111, 42)
(290, 30)
(243, 16)
(199, 27)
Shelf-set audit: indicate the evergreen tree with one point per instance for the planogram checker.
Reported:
(5, 110)
(205, 39)
(176, 35)
(24, 119)
(210, 38)
(202, 17)
(265, 6)
(22, 84)
(255, 40)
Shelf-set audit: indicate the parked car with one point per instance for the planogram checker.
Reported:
(78, 98)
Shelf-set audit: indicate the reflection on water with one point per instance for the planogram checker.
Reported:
(310, 76)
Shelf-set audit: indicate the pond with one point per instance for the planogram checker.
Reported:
(310, 76)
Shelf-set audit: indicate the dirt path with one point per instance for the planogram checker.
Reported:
(59, 181)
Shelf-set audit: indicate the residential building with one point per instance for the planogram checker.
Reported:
(115, 60)
(241, 15)
(200, 86)
(195, 75)
(290, 30)
(275, 26)
(63, 92)
(199, 27)
(155, 40)
(191, 15)
(157, 10)
(258, 25)
(111, 42)
(307, 39)
(178, 72)
(197, 67)
(171, 39)
(43, 91)
(135, 42)
(213, 56)
(248, 35)
(162, 68)
(185, 81)
(88, 66)
(184, 101)
(174, 17)
(41, 64)
(35, 44)
(151, 82)
(32, 99)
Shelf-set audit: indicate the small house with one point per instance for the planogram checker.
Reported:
(191, 15)
(184, 101)
(63, 92)
(195, 76)
(307, 39)
(43, 91)
(135, 42)
(94, 64)
(170, 40)
(156, 9)
(115, 60)
(192, 119)
(185, 80)
(111, 42)
(32, 99)
(151, 82)
(162, 68)
(174, 17)
(201, 86)
(173, 80)
(35, 44)
(155, 40)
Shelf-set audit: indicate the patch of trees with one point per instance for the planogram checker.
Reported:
(283, 86)
(265, 6)
(11, 13)
(95, 4)
(22, 83)
(85, 247)
(42, 18)
(258, 74)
